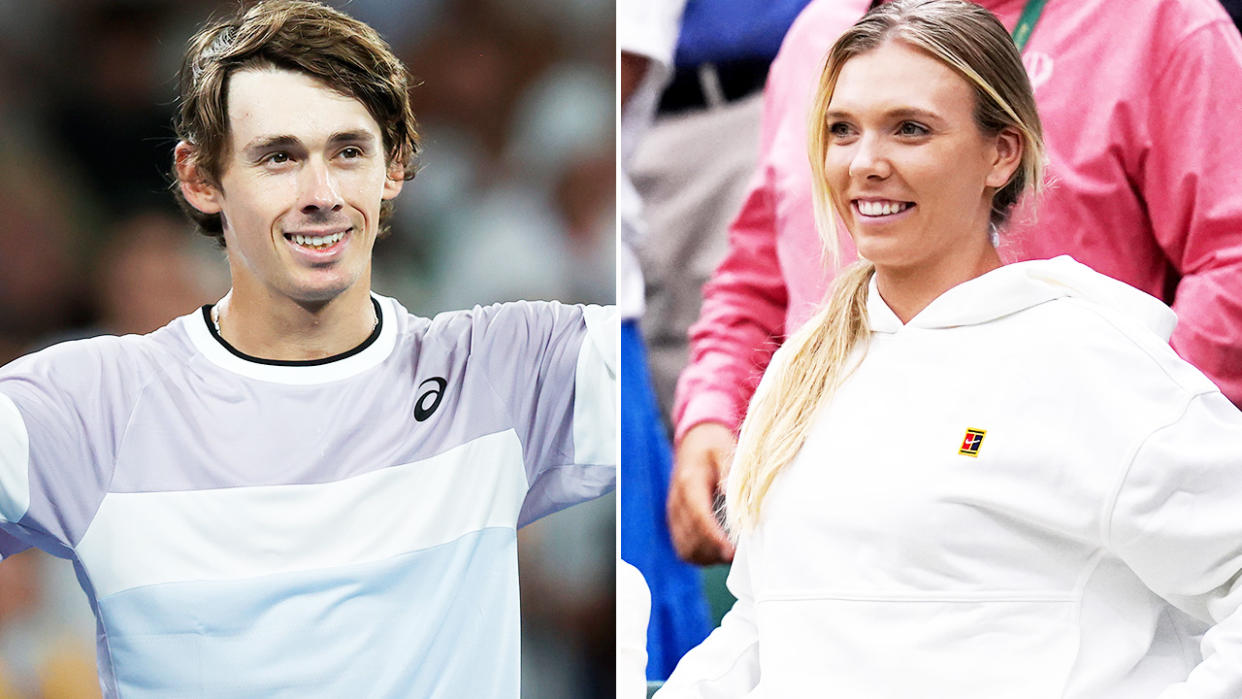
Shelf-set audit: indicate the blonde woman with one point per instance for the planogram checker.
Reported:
(963, 479)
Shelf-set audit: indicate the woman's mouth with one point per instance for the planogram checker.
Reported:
(876, 208)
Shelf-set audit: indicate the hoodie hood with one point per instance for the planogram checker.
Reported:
(1022, 285)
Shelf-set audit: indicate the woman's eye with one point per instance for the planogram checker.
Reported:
(909, 128)
(839, 129)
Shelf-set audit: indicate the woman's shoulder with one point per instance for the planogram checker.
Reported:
(1098, 345)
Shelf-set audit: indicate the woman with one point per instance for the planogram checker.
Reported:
(962, 479)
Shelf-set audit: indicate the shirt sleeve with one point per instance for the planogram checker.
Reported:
(742, 319)
(1189, 177)
(726, 664)
(555, 368)
(10, 545)
(14, 477)
(1176, 522)
(53, 468)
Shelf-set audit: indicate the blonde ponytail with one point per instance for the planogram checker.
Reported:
(811, 365)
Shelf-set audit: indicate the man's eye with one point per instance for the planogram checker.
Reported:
(278, 157)
(909, 128)
(352, 152)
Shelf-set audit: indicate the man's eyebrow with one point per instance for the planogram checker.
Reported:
(266, 143)
(263, 144)
(360, 137)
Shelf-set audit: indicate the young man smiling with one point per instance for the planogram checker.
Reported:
(304, 490)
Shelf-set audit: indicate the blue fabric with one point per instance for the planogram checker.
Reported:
(679, 616)
(713, 31)
(432, 623)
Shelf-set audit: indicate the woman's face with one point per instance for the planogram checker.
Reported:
(910, 172)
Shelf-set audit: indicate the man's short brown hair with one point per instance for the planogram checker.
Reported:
(347, 55)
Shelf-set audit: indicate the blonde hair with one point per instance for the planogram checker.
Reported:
(821, 354)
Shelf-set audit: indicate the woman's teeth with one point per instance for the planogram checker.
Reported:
(881, 208)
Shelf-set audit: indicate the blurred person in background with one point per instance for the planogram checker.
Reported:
(516, 133)
(695, 163)
(149, 273)
(646, 36)
(1234, 7)
(43, 51)
(1143, 188)
(691, 169)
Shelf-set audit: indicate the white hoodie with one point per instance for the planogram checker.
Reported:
(1080, 552)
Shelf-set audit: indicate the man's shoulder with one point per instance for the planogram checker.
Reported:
(508, 319)
(100, 361)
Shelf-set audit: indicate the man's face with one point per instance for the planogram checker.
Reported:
(300, 188)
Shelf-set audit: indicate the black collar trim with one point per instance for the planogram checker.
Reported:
(379, 325)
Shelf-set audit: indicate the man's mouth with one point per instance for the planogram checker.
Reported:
(881, 207)
(317, 242)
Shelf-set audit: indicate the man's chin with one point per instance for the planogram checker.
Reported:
(320, 292)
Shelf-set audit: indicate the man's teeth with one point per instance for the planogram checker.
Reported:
(881, 208)
(315, 241)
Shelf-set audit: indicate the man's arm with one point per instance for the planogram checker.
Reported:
(14, 466)
(1191, 187)
(555, 368)
(56, 443)
(10, 545)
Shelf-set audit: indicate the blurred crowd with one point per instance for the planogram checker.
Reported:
(514, 199)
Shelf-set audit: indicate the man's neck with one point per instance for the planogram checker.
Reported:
(276, 327)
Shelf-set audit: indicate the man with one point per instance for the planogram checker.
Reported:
(303, 490)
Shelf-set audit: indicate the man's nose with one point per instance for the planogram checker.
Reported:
(320, 192)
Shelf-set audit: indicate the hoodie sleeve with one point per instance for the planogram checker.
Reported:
(726, 664)
(1177, 523)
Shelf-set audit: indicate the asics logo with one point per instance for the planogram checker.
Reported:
(430, 399)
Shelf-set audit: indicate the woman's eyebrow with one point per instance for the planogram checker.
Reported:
(894, 113)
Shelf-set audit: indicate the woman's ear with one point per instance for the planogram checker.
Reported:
(196, 187)
(1008, 157)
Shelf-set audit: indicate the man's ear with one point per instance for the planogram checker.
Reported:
(394, 179)
(1008, 157)
(196, 187)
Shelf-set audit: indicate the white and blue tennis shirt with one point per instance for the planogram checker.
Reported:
(335, 528)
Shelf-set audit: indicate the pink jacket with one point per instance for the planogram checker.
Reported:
(1140, 103)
